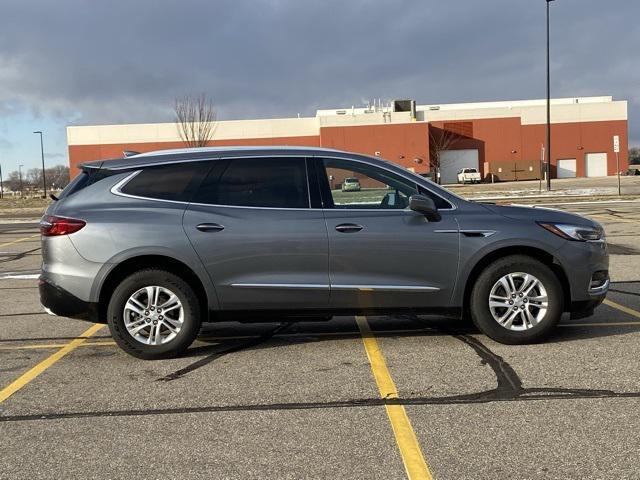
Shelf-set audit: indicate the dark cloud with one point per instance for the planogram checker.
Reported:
(101, 62)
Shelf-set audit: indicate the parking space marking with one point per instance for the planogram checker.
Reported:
(50, 346)
(622, 308)
(601, 324)
(2, 245)
(27, 377)
(410, 451)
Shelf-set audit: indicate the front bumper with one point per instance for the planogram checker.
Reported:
(58, 301)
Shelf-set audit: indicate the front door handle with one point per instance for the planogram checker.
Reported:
(210, 227)
(348, 228)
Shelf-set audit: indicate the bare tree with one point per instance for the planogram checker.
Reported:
(634, 156)
(12, 182)
(440, 140)
(195, 119)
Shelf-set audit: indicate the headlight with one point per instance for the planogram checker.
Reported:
(580, 233)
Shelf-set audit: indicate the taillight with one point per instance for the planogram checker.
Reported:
(51, 226)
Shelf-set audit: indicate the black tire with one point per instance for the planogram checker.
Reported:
(479, 301)
(152, 277)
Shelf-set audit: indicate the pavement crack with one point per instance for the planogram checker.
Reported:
(467, 399)
(220, 353)
(10, 257)
(509, 382)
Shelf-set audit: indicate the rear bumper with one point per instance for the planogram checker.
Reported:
(58, 301)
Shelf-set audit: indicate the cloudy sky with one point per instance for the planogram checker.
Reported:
(78, 62)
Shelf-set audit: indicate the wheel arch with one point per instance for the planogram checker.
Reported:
(136, 263)
(533, 252)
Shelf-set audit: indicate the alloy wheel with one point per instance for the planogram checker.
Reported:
(153, 315)
(518, 301)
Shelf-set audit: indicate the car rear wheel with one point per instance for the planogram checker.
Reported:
(517, 300)
(153, 314)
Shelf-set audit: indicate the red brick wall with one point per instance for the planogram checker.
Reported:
(497, 140)
(84, 153)
(398, 143)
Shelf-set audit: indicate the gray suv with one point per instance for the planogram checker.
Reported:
(157, 243)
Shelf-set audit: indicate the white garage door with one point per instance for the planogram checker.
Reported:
(596, 164)
(567, 168)
(451, 161)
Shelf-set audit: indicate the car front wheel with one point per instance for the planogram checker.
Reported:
(153, 314)
(517, 300)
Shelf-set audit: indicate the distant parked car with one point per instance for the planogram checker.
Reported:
(468, 175)
(633, 170)
(351, 184)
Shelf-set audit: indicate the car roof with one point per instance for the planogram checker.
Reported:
(205, 153)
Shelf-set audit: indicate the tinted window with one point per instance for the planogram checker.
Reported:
(259, 182)
(176, 181)
(85, 178)
(441, 203)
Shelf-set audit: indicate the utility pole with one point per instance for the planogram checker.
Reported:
(1, 184)
(548, 169)
(44, 179)
(20, 176)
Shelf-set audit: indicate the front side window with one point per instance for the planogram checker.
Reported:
(360, 185)
(259, 182)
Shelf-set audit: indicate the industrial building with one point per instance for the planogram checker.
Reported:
(503, 140)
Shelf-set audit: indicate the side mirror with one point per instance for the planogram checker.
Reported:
(425, 206)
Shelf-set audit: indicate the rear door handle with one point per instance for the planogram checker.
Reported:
(348, 228)
(210, 227)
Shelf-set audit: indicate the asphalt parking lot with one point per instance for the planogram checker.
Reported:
(374, 397)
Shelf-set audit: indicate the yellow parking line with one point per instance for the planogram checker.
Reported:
(18, 240)
(622, 308)
(25, 378)
(601, 324)
(412, 457)
(48, 346)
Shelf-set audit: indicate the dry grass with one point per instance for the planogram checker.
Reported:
(23, 207)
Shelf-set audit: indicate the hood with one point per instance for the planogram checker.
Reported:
(538, 214)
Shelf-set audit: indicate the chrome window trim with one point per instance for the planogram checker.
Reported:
(117, 188)
(453, 205)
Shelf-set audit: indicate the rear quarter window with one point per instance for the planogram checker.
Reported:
(177, 182)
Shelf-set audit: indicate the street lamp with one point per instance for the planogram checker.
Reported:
(548, 169)
(20, 176)
(44, 180)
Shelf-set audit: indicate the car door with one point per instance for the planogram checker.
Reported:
(381, 253)
(261, 243)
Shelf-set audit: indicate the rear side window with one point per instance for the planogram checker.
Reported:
(258, 182)
(78, 183)
(85, 178)
(177, 181)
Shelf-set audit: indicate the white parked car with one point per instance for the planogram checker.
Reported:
(468, 175)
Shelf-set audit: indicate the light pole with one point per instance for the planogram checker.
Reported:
(548, 169)
(20, 176)
(44, 180)
(1, 184)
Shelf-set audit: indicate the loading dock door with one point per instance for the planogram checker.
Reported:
(595, 164)
(451, 161)
(567, 168)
